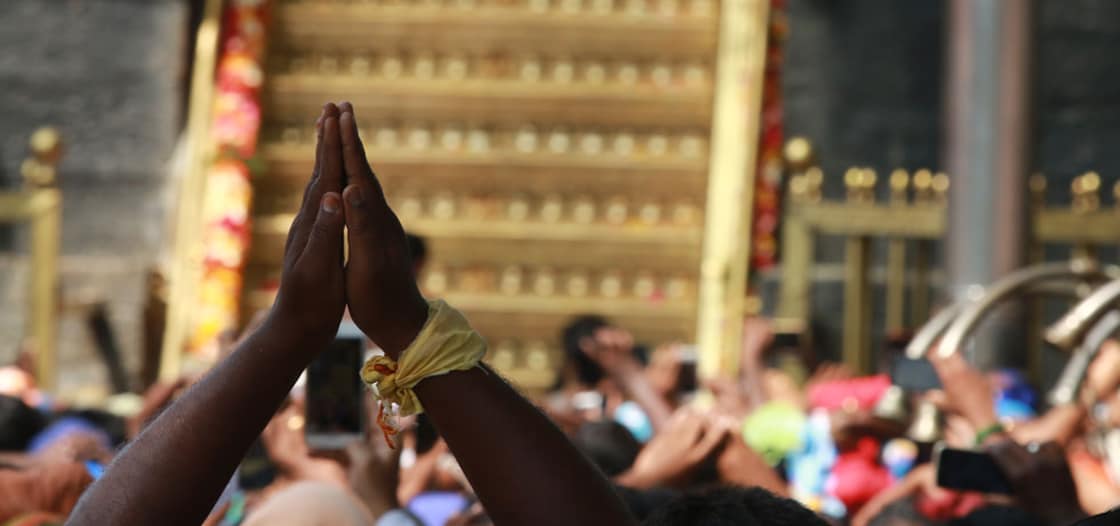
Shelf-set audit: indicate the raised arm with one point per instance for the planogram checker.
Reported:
(522, 467)
(174, 471)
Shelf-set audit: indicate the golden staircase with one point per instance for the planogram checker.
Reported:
(556, 154)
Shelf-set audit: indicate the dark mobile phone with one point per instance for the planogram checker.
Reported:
(969, 470)
(914, 375)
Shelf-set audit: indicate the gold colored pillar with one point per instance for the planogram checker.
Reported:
(896, 259)
(857, 289)
(185, 272)
(39, 204)
(735, 126)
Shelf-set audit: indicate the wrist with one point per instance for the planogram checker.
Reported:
(398, 335)
(282, 335)
(989, 432)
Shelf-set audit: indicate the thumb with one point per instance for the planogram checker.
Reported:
(358, 213)
(325, 244)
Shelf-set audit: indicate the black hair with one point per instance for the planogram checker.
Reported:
(19, 423)
(588, 372)
(733, 506)
(643, 502)
(997, 515)
(417, 248)
(608, 444)
(901, 513)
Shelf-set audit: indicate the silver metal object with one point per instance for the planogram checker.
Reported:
(1067, 332)
(1068, 386)
(1012, 284)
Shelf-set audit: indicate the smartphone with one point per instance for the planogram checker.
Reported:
(687, 381)
(969, 470)
(914, 375)
(335, 413)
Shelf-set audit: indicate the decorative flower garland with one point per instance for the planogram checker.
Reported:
(768, 183)
(225, 212)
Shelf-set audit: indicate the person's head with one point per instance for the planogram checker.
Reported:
(643, 502)
(579, 338)
(310, 503)
(608, 444)
(732, 506)
(418, 249)
(18, 423)
(901, 513)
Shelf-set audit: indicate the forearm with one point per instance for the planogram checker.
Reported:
(173, 472)
(638, 389)
(518, 462)
(414, 480)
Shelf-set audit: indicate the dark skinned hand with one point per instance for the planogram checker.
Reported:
(380, 288)
(312, 286)
(1041, 479)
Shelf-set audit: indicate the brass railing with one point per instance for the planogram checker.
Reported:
(39, 204)
(914, 213)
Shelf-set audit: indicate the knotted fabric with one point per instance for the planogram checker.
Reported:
(446, 343)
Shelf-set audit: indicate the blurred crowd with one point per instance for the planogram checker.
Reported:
(628, 433)
(813, 432)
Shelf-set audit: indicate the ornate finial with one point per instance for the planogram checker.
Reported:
(797, 188)
(868, 179)
(940, 186)
(814, 178)
(898, 182)
(1085, 189)
(852, 179)
(860, 182)
(798, 154)
(46, 151)
(923, 182)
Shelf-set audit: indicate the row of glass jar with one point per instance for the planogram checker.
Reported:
(515, 280)
(592, 7)
(549, 209)
(528, 69)
(524, 140)
(536, 355)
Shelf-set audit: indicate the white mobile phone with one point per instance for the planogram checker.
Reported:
(335, 412)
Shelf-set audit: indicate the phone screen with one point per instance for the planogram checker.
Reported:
(963, 469)
(335, 412)
(687, 380)
(914, 375)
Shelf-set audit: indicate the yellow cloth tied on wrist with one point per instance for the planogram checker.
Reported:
(446, 343)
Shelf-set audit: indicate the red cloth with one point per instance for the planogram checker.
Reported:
(854, 393)
(857, 476)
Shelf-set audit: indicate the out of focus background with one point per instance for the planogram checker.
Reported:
(756, 218)
(605, 133)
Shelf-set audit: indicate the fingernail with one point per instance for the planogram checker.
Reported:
(354, 195)
(330, 203)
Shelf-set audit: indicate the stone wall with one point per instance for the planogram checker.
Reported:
(107, 73)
